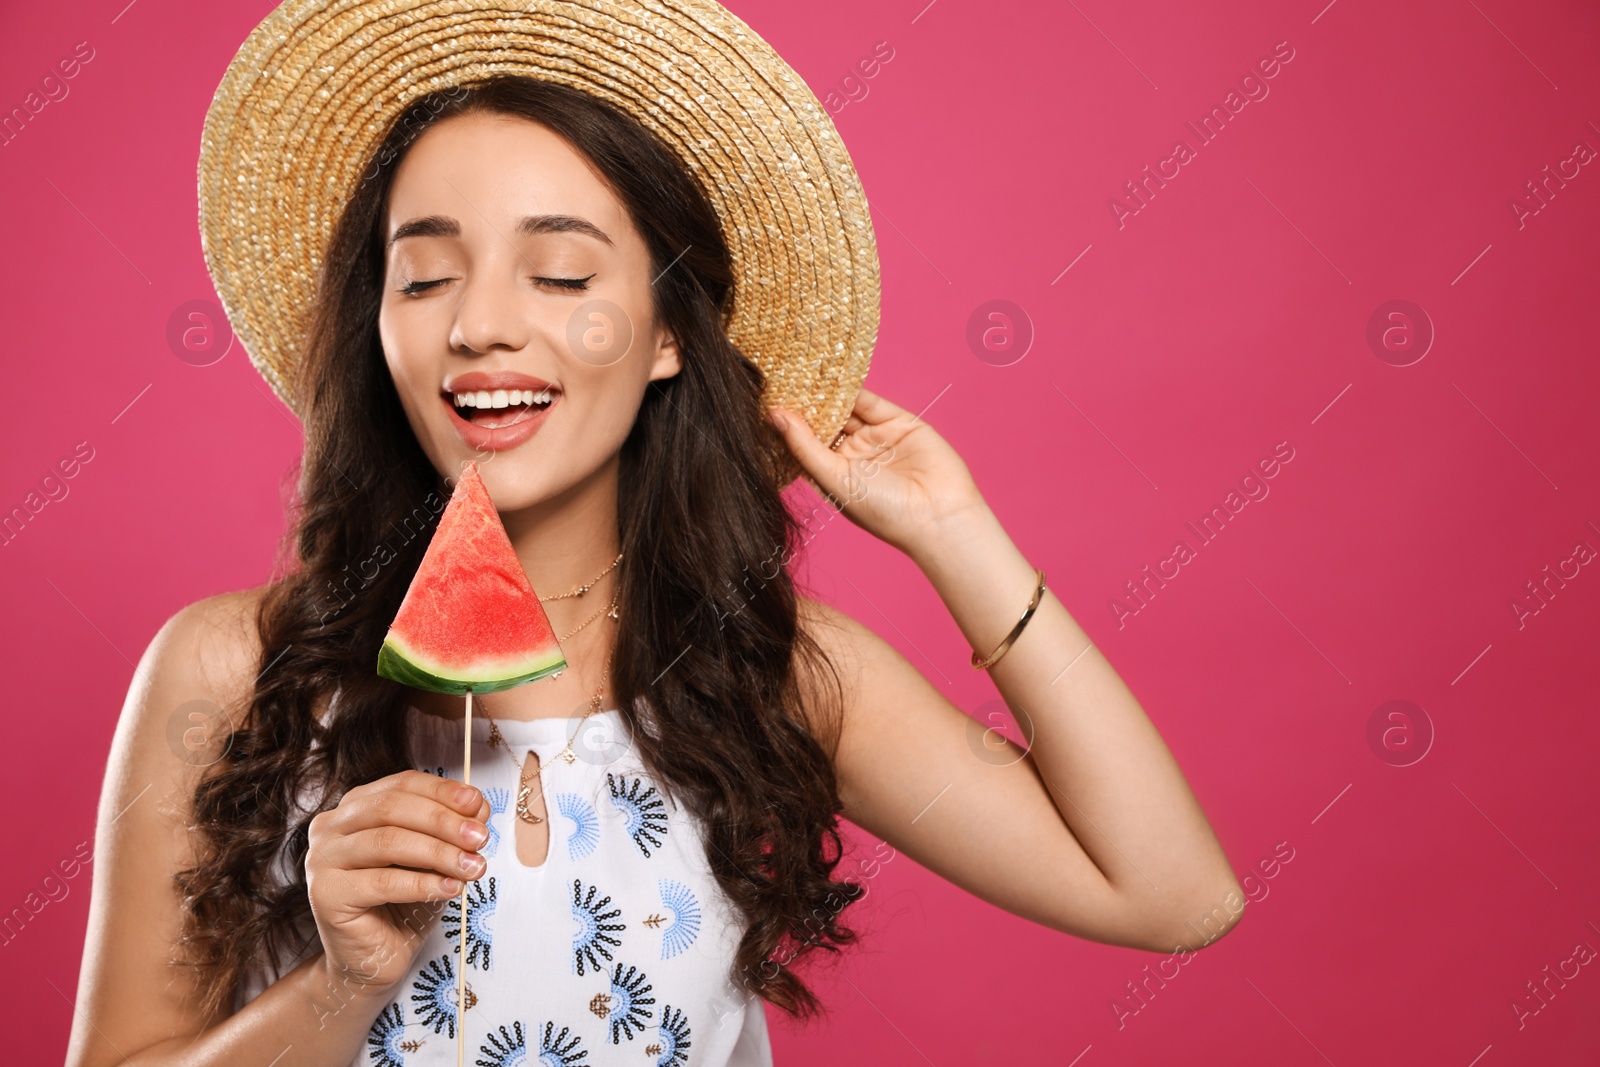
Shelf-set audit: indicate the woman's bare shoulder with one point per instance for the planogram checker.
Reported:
(196, 674)
(210, 648)
(223, 625)
(844, 643)
(838, 633)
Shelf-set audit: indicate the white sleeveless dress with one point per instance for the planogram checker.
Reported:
(617, 949)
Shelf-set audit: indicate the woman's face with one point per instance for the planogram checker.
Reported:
(513, 272)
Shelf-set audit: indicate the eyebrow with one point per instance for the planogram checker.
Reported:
(527, 226)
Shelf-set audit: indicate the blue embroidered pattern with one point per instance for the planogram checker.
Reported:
(508, 1048)
(685, 917)
(383, 1040)
(642, 809)
(498, 800)
(557, 1050)
(480, 917)
(628, 1012)
(595, 925)
(435, 995)
(585, 833)
(674, 1038)
(620, 994)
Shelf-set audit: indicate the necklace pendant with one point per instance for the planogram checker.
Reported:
(522, 806)
(568, 755)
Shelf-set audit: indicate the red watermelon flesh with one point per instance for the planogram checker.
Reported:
(470, 620)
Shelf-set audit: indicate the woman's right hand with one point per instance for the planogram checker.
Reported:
(381, 864)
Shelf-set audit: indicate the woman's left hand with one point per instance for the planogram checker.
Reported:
(893, 475)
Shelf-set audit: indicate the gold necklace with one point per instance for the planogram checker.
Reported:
(609, 608)
(578, 592)
(524, 789)
(585, 587)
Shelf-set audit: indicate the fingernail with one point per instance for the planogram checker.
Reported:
(451, 886)
(779, 420)
(466, 794)
(474, 833)
(471, 862)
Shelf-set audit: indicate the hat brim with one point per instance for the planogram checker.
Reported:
(317, 85)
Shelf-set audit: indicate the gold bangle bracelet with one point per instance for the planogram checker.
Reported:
(985, 662)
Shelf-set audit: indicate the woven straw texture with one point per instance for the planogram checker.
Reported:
(314, 88)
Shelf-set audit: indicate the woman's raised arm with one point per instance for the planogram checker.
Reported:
(1093, 830)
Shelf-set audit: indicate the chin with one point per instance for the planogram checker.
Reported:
(521, 478)
(525, 471)
(514, 481)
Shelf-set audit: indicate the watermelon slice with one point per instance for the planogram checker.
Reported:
(470, 620)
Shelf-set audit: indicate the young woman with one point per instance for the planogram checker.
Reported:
(289, 889)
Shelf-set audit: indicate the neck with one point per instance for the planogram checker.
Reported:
(565, 541)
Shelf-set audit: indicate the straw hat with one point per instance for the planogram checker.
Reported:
(314, 89)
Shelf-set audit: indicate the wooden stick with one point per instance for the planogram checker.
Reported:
(461, 942)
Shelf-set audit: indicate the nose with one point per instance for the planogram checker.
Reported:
(491, 314)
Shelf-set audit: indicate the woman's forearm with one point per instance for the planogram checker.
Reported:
(306, 1018)
(1109, 773)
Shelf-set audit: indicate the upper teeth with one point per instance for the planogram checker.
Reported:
(500, 398)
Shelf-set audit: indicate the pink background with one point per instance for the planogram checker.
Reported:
(1229, 314)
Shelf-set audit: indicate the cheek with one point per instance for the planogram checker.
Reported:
(606, 413)
(406, 366)
(603, 407)
(389, 342)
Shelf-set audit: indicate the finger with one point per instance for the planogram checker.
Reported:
(874, 409)
(874, 426)
(826, 467)
(411, 811)
(395, 846)
(395, 885)
(467, 799)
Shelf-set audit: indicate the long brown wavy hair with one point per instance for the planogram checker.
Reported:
(709, 642)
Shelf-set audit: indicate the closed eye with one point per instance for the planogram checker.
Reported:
(565, 283)
(557, 283)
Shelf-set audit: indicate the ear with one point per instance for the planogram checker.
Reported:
(668, 361)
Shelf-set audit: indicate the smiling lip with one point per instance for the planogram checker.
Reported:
(497, 438)
(472, 381)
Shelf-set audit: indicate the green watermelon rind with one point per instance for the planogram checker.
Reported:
(394, 664)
